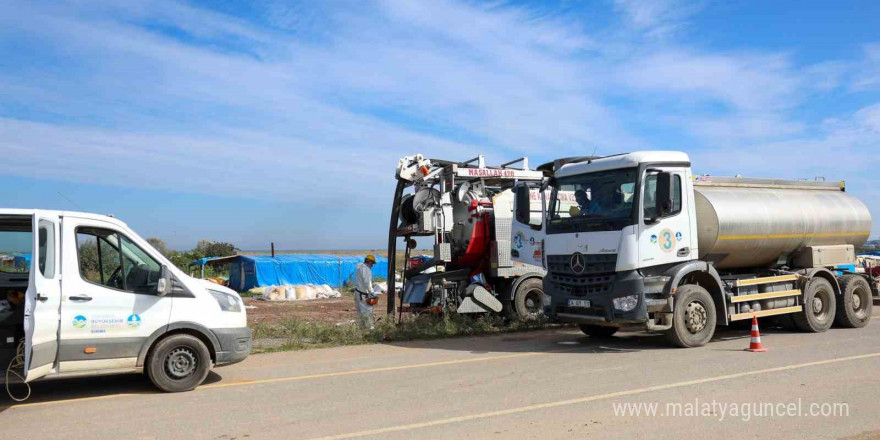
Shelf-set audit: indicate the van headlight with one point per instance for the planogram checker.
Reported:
(626, 303)
(227, 302)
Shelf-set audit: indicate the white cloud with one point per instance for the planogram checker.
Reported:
(868, 76)
(657, 18)
(737, 128)
(744, 82)
(319, 100)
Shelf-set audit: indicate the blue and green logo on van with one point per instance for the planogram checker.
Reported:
(134, 321)
(79, 321)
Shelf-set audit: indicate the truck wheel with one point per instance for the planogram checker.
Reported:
(528, 301)
(693, 317)
(178, 363)
(819, 307)
(598, 331)
(854, 304)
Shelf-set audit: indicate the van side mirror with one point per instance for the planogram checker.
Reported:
(163, 287)
(664, 194)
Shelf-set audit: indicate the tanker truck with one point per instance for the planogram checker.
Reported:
(465, 210)
(638, 240)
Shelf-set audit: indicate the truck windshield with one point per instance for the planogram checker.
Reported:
(600, 201)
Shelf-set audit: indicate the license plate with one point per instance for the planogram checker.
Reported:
(585, 303)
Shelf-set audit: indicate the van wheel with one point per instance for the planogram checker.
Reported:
(528, 301)
(854, 304)
(179, 363)
(693, 317)
(819, 307)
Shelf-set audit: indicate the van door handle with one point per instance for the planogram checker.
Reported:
(42, 298)
(83, 298)
(683, 252)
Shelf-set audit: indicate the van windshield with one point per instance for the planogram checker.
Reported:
(15, 251)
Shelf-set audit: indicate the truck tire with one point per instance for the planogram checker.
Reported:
(819, 307)
(178, 362)
(854, 304)
(528, 301)
(598, 331)
(693, 317)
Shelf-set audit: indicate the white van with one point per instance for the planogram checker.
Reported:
(91, 297)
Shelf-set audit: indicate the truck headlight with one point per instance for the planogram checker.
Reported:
(655, 284)
(626, 303)
(227, 302)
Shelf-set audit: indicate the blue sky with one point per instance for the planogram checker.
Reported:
(283, 121)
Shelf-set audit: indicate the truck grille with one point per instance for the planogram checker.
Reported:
(597, 278)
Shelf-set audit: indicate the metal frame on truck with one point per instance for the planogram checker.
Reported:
(467, 207)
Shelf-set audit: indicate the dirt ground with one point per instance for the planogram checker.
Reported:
(328, 311)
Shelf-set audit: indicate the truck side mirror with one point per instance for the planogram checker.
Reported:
(163, 287)
(664, 194)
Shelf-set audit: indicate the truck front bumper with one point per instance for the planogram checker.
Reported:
(601, 310)
(235, 344)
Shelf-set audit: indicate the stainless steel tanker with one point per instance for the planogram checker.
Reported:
(745, 222)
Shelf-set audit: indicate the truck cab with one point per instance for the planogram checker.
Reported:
(637, 239)
(603, 228)
(95, 298)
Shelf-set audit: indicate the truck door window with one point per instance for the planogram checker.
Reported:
(47, 249)
(142, 271)
(113, 260)
(650, 203)
(99, 257)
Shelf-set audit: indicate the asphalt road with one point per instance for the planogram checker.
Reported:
(548, 385)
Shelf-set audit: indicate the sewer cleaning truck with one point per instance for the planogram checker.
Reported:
(465, 210)
(637, 239)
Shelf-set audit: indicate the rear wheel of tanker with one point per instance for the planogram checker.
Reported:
(598, 331)
(178, 363)
(693, 317)
(528, 300)
(819, 307)
(854, 304)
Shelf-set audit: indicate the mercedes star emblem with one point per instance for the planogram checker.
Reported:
(578, 263)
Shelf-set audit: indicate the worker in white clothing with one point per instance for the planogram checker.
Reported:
(364, 298)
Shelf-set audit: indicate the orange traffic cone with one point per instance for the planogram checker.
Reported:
(755, 343)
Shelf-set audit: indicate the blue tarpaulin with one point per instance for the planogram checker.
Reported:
(249, 271)
(20, 261)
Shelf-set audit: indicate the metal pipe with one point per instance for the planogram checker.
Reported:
(504, 165)
(392, 245)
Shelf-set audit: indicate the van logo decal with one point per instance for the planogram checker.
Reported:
(134, 321)
(79, 321)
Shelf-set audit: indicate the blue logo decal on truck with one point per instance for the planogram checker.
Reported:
(134, 321)
(79, 321)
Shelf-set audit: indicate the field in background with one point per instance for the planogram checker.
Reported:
(297, 325)
(400, 254)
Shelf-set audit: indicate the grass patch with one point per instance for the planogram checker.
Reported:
(294, 334)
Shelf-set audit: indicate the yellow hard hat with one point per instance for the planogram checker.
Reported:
(371, 258)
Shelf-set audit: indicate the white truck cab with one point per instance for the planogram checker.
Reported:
(98, 299)
(637, 239)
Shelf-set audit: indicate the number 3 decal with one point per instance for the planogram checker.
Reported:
(667, 240)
